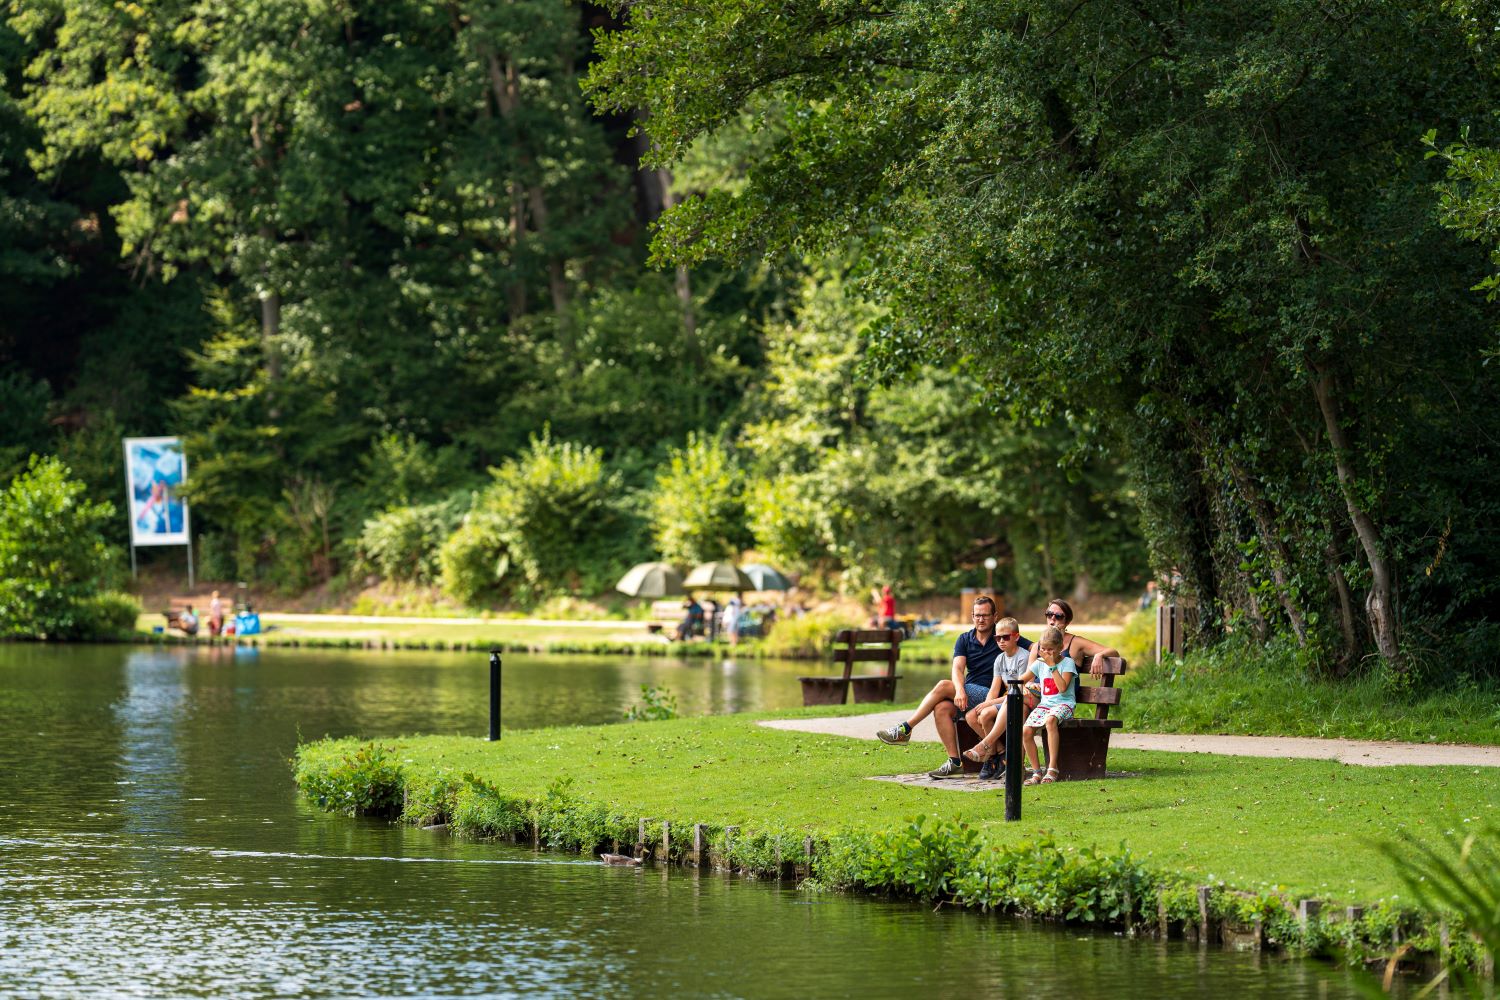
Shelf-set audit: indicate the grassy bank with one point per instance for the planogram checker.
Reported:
(1272, 692)
(1263, 833)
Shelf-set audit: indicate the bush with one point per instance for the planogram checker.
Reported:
(473, 561)
(364, 783)
(557, 513)
(698, 505)
(53, 556)
(404, 543)
(110, 615)
(804, 636)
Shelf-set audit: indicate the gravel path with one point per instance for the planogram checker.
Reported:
(1364, 753)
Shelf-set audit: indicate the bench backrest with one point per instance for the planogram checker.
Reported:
(853, 646)
(1104, 694)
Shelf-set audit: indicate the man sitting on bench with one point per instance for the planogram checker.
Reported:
(188, 622)
(973, 671)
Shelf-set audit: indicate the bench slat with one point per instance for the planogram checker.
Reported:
(862, 655)
(1109, 666)
(1091, 694)
(868, 635)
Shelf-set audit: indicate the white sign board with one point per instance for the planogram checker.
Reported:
(155, 469)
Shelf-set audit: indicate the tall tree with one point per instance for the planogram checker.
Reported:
(1210, 225)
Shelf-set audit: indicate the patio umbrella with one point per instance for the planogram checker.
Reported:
(766, 578)
(718, 576)
(653, 579)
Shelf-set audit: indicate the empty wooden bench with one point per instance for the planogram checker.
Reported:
(1085, 741)
(853, 646)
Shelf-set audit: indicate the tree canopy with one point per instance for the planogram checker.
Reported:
(1209, 231)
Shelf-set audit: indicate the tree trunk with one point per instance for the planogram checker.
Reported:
(1276, 552)
(1346, 660)
(505, 88)
(1380, 602)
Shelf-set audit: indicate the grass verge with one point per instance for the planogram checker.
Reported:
(1263, 834)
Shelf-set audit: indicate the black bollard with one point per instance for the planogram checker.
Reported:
(494, 695)
(1014, 706)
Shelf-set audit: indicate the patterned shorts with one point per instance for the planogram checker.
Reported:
(1038, 717)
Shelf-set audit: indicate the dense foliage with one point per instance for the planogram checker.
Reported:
(357, 255)
(54, 561)
(1205, 235)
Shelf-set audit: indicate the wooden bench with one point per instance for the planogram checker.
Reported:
(858, 646)
(666, 615)
(173, 614)
(1085, 741)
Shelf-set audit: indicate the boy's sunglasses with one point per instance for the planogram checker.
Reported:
(1007, 636)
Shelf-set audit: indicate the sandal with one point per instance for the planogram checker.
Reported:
(979, 753)
(1050, 776)
(1035, 778)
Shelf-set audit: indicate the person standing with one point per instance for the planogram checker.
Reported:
(887, 606)
(215, 614)
(974, 655)
(732, 612)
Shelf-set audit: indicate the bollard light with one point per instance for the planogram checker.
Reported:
(1014, 706)
(494, 695)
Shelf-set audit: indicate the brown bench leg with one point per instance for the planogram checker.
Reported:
(967, 740)
(1083, 753)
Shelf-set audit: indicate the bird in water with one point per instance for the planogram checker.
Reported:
(619, 859)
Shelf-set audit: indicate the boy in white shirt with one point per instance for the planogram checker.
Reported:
(988, 717)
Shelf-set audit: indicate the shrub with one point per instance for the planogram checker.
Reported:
(698, 505)
(53, 554)
(473, 561)
(656, 704)
(804, 636)
(364, 783)
(110, 615)
(403, 543)
(558, 514)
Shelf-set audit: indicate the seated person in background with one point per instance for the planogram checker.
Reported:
(988, 717)
(188, 622)
(1074, 647)
(1059, 681)
(973, 672)
(692, 619)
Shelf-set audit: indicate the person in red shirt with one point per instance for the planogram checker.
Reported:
(887, 604)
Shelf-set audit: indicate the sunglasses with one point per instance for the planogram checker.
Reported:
(1007, 636)
(1056, 614)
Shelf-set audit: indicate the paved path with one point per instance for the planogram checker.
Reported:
(1362, 752)
(619, 625)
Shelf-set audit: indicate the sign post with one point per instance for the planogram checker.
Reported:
(155, 470)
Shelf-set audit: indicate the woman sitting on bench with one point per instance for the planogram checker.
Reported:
(1075, 647)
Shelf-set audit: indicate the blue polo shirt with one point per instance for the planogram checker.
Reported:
(980, 657)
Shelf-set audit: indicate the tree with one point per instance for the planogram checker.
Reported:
(1206, 229)
(54, 560)
(698, 505)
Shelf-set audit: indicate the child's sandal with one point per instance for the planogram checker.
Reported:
(1050, 776)
(1034, 779)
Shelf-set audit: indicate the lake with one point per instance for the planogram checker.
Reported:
(152, 843)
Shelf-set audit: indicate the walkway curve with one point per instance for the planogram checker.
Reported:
(1366, 753)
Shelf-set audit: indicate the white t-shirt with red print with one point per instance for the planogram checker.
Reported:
(1050, 695)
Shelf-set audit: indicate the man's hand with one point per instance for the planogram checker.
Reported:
(961, 699)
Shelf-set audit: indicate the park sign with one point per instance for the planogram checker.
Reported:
(155, 469)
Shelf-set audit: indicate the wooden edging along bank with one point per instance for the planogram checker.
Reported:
(939, 862)
(602, 648)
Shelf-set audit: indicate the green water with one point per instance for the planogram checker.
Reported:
(152, 844)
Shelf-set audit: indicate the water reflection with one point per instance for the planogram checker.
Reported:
(151, 844)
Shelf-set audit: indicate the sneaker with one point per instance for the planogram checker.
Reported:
(948, 770)
(896, 735)
(987, 770)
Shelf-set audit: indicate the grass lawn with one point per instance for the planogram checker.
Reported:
(1310, 827)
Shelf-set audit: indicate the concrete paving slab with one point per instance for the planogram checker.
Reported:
(1364, 753)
